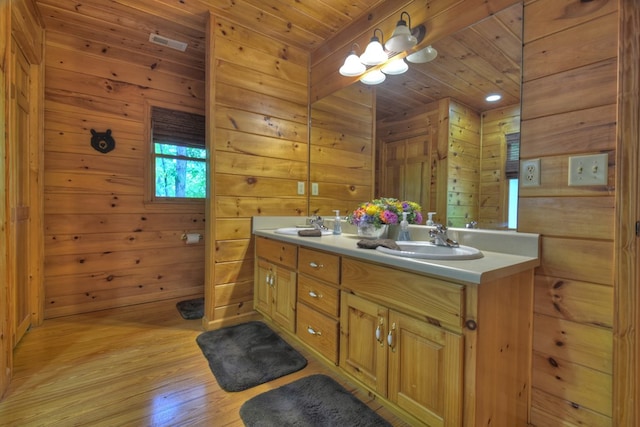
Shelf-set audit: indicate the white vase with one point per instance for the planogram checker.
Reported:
(369, 231)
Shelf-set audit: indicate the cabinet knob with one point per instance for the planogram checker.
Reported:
(313, 264)
(313, 294)
(471, 325)
(313, 331)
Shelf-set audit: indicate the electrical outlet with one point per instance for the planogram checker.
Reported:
(588, 170)
(530, 173)
(314, 189)
(301, 188)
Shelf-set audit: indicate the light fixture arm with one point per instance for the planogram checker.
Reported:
(405, 22)
(381, 39)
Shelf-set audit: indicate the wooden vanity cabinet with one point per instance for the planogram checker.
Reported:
(414, 364)
(439, 353)
(275, 281)
(318, 301)
(458, 355)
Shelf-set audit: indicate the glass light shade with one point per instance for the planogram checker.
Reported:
(373, 78)
(423, 55)
(397, 66)
(493, 97)
(352, 66)
(374, 54)
(401, 39)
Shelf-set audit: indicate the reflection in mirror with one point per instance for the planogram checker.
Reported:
(341, 157)
(439, 142)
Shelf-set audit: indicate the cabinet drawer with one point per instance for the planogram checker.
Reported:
(319, 295)
(318, 264)
(318, 331)
(285, 254)
(438, 300)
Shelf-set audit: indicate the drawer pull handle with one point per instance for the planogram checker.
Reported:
(313, 294)
(390, 338)
(379, 332)
(313, 332)
(315, 265)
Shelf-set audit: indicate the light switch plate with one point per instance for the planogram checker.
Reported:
(301, 188)
(588, 170)
(314, 189)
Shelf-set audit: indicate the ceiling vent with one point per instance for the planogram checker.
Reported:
(163, 41)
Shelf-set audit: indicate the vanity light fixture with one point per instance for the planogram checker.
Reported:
(423, 55)
(373, 77)
(401, 39)
(494, 97)
(374, 54)
(397, 66)
(352, 65)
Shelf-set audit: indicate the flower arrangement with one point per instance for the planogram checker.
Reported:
(385, 210)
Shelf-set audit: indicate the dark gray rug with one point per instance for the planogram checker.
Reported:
(243, 356)
(191, 309)
(316, 400)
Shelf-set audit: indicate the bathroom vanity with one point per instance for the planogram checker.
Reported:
(443, 343)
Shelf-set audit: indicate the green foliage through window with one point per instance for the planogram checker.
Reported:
(180, 171)
(179, 155)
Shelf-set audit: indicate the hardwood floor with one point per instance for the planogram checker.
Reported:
(133, 366)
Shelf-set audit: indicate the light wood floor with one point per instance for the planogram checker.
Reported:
(134, 366)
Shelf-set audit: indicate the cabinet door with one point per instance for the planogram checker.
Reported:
(363, 350)
(283, 308)
(264, 279)
(425, 370)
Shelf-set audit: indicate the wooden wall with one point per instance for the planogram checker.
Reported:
(258, 113)
(434, 156)
(569, 108)
(413, 157)
(494, 187)
(342, 154)
(6, 348)
(463, 165)
(104, 246)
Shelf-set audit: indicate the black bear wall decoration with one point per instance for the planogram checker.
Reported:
(102, 141)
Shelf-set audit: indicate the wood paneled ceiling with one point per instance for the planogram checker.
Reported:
(482, 59)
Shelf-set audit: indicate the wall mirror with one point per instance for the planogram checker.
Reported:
(438, 140)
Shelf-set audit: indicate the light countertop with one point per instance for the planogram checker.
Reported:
(505, 252)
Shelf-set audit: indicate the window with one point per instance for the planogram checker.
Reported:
(178, 155)
(512, 172)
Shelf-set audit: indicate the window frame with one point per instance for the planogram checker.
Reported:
(151, 156)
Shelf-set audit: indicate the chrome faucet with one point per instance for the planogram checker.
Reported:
(317, 222)
(439, 237)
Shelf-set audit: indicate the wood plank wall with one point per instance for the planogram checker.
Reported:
(463, 177)
(342, 155)
(104, 246)
(569, 108)
(260, 151)
(6, 348)
(446, 135)
(411, 160)
(494, 187)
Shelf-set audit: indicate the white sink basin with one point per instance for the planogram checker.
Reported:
(427, 250)
(294, 231)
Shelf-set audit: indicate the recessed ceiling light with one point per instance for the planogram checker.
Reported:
(493, 97)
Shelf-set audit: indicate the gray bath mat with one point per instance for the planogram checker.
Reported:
(191, 309)
(243, 356)
(316, 400)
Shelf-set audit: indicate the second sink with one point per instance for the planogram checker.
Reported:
(427, 250)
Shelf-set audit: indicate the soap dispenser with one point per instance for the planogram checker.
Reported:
(430, 220)
(337, 225)
(404, 228)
